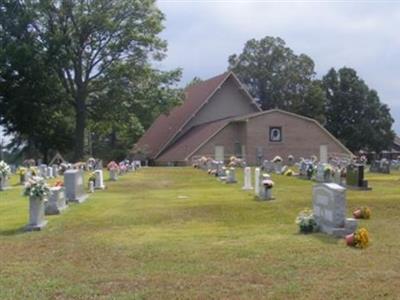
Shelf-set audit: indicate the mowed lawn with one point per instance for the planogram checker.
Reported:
(177, 233)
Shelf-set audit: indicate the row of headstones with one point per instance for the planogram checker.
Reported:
(262, 187)
(58, 200)
(353, 174)
(123, 168)
(72, 191)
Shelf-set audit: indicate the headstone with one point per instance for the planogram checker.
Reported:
(36, 214)
(91, 186)
(322, 174)
(113, 174)
(329, 205)
(3, 183)
(265, 193)
(323, 154)
(57, 202)
(99, 183)
(337, 177)
(43, 170)
(231, 176)
(55, 170)
(380, 166)
(268, 166)
(247, 179)
(99, 165)
(355, 177)
(49, 172)
(257, 173)
(278, 167)
(74, 186)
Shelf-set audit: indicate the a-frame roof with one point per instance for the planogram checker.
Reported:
(168, 126)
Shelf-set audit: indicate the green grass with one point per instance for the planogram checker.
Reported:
(177, 233)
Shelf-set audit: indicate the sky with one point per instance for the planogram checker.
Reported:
(364, 35)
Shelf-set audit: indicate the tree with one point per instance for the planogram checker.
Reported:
(84, 40)
(277, 77)
(354, 112)
(43, 124)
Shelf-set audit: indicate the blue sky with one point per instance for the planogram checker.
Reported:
(363, 35)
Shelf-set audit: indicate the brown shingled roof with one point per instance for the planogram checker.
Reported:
(165, 128)
(191, 140)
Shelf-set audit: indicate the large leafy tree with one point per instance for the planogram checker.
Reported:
(354, 112)
(84, 44)
(278, 78)
(31, 109)
(86, 39)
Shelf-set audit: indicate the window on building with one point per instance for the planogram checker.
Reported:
(275, 134)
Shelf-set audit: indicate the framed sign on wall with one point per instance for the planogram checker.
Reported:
(275, 134)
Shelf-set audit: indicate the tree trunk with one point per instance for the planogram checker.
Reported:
(80, 125)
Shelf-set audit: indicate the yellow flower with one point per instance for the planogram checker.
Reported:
(361, 238)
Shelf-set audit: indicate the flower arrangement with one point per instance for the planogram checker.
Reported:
(359, 239)
(310, 171)
(306, 221)
(267, 182)
(343, 172)
(21, 171)
(328, 170)
(277, 159)
(59, 183)
(363, 212)
(5, 170)
(36, 187)
(288, 172)
(92, 177)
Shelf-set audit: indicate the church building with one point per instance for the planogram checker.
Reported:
(220, 119)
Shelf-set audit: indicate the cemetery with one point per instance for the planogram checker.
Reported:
(184, 150)
(218, 229)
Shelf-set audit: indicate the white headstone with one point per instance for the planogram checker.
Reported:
(323, 153)
(55, 170)
(49, 172)
(247, 179)
(257, 181)
(99, 183)
(43, 170)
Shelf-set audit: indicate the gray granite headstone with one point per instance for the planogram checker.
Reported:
(329, 205)
(74, 186)
(57, 202)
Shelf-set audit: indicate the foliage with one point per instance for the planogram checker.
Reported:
(32, 109)
(5, 170)
(36, 187)
(289, 172)
(361, 238)
(92, 177)
(267, 182)
(72, 57)
(278, 78)
(21, 171)
(354, 113)
(306, 221)
(362, 212)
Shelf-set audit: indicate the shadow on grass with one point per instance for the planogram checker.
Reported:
(325, 238)
(13, 232)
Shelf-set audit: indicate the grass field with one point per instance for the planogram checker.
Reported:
(177, 233)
